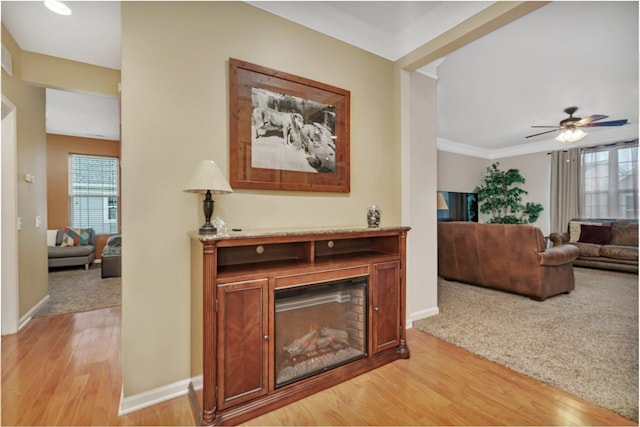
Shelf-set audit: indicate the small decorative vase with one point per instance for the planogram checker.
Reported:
(373, 216)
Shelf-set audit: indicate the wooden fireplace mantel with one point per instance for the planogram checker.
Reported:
(233, 282)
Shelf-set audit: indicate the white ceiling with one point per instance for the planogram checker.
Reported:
(389, 29)
(90, 34)
(489, 92)
(564, 54)
(83, 115)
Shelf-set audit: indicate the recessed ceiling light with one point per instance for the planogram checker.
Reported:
(57, 7)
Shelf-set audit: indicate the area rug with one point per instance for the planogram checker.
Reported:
(76, 289)
(585, 343)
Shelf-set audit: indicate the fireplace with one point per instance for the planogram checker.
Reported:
(319, 327)
(279, 315)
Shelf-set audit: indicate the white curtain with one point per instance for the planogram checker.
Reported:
(565, 188)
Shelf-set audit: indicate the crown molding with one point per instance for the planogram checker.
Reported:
(607, 136)
(465, 149)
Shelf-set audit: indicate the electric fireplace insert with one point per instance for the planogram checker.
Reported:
(319, 327)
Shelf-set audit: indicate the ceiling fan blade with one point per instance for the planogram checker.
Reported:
(554, 126)
(542, 133)
(590, 119)
(609, 123)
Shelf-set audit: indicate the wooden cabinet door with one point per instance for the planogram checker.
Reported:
(385, 306)
(242, 341)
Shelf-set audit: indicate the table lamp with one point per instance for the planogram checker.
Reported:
(442, 203)
(208, 179)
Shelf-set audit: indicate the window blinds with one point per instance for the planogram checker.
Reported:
(94, 192)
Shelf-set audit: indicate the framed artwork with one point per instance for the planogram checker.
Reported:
(287, 132)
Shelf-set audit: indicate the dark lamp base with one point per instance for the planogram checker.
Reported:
(207, 205)
(208, 229)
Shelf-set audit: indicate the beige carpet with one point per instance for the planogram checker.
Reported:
(75, 289)
(585, 343)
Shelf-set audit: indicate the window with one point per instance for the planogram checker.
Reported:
(94, 195)
(610, 181)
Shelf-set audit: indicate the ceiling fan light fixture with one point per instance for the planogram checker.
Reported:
(57, 7)
(571, 135)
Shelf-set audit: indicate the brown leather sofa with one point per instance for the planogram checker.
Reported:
(610, 244)
(507, 257)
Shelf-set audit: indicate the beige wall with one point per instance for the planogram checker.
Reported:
(536, 170)
(52, 72)
(422, 255)
(175, 113)
(31, 153)
(457, 172)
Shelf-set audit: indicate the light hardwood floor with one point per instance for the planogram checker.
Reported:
(66, 370)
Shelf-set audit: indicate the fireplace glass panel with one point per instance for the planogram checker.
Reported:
(319, 327)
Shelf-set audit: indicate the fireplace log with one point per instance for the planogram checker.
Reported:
(316, 340)
(303, 344)
(334, 335)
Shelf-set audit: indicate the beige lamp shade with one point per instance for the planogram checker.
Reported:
(208, 176)
(208, 179)
(442, 203)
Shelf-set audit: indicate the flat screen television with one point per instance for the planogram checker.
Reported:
(459, 207)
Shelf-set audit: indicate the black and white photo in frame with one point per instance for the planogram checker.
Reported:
(292, 133)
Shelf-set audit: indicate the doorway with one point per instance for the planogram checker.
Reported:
(83, 151)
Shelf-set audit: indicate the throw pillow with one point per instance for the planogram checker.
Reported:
(596, 234)
(67, 241)
(51, 237)
(574, 229)
(624, 233)
(79, 236)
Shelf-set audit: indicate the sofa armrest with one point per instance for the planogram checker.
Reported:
(559, 238)
(92, 236)
(558, 255)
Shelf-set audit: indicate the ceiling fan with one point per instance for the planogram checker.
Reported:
(570, 125)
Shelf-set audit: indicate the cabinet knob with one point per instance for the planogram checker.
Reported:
(266, 337)
(376, 309)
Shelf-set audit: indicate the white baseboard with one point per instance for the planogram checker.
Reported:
(417, 315)
(181, 388)
(143, 400)
(197, 382)
(22, 322)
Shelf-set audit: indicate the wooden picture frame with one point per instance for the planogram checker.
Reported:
(287, 132)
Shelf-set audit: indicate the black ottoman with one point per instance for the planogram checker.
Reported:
(111, 266)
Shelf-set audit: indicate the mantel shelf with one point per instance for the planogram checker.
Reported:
(303, 233)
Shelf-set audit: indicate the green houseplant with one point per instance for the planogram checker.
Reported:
(501, 196)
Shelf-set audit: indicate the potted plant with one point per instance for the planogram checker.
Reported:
(501, 196)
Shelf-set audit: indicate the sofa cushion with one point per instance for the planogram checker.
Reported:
(588, 249)
(75, 236)
(619, 252)
(51, 237)
(596, 234)
(624, 233)
(70, 251)
(575, 228)
(59, 236)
